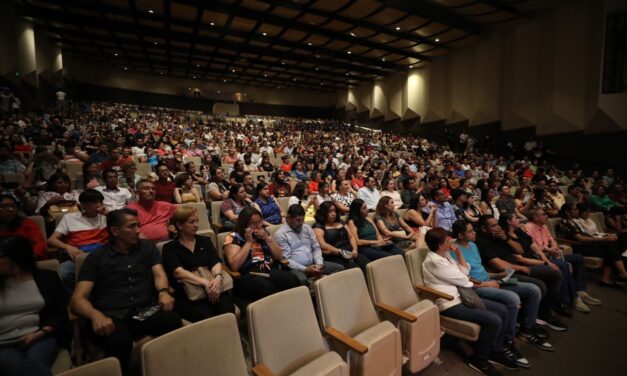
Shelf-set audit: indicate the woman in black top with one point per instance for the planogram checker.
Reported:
(184, 255)
(334, 238)
(265, 164)
(33, 307)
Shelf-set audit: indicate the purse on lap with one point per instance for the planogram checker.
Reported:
(470, 298)
(195, 293)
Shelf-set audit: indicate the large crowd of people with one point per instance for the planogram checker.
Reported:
(107, 179)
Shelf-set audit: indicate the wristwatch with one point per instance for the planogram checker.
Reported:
(219, 275)
(546, 263)
(165, 289)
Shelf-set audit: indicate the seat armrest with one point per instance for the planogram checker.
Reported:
(231, 273)
(261, 370)
(348, 341)
(566, 241)
(433, 292)
(399, 313)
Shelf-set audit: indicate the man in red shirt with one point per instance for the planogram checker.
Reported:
(114, 162)
(153, 215)
(164, 188)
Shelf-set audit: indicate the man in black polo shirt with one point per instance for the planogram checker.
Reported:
(121, 281)
(497, 255)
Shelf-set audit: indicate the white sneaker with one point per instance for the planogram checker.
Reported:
(588, 299)
(581, 306)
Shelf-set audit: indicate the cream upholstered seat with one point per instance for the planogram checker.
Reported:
(599, 220)
(282, 202)
(105, 367)
(346, 314)
(457, 328)
(207, 347)
(216, 221)
(419, 320)
(285, 338)
(589, 261)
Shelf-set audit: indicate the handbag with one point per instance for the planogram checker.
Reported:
(195, 293)
(470, 298)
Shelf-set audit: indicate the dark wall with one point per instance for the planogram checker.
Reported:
(287, 111)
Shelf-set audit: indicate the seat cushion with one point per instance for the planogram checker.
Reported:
(62, 363)
(460, 329)
(329, 364)
(593, 262)
(384, 352)
(421, 339)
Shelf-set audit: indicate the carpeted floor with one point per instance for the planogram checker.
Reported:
(595, 344)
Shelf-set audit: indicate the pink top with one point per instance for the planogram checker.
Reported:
(540, 235)
(153, 223)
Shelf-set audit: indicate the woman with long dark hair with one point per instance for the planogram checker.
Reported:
(370, 242)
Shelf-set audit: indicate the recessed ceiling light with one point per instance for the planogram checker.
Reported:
(151, 11)
(125, 68)
(282, 63)
(161, 73)
(353, 34)
(193, 76)
(233, 70)
(309, 44)
(383, 59)
(348, 52)
(437, 39)
(212, 23)
(197, 65)
(322, 83)
(347, 73)
(265, 75)
(224, 80)
(155, 43)
(115, 54)
(294, 80)
(264, 34)
(411, 66)
(398, 28)
(317, 68)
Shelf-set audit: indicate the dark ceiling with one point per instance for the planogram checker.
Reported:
(313, 44)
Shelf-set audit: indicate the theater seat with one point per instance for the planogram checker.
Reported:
(204, 227)
(458, 328)
(207, 347)
(590, 262)
(285, 338)
(347, 316)
(216, 221)
(105, 367)
(419, 320)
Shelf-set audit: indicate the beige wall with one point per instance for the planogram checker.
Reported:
(100, 74)
(543, 72)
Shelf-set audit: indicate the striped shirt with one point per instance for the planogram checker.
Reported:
(80, 230)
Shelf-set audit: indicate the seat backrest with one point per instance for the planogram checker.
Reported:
(144, 169)
(599, 220)
(215, 212)
(282, 201)
(208, 347)
(160, 245)
(41, 223)
(272, 229)
(74, 169)
(221, 237)
(284, 332)
(48, 265)
(104, 367)
(78, 263)
(413, 260)
(389, 283)
(203, 216)
(344, 302)
(552, 225)
(17, 177)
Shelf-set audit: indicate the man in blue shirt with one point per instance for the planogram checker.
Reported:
(510, 294)
(445, 215)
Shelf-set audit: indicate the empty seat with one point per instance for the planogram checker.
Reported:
(285, 337)
(104, 367)
(348, 317)
(207, 347)
(419, 320)
(457, 328)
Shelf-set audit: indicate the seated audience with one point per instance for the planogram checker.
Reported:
(390, 224)
(114, 197)
(388, 188)
(57, 198)
(335, 240)
(231, 207)
(301, 248)
(343, 197)
(153, 215)
(506, 204)
(590, 227)
(324, 193)
(266, 204)
(218, 189)
(410, 191)
(444, 213)
(120, 282)
(13, 224)
(129, 177)
(446, 275)
(182, 257)
(370, 242)
(416, 218)
(280, 186)
(185, 190)
(33, 312)
(487, 204)
(164, 186)
(369, 193)
(91, 175)
(251, 251)
(301, 196)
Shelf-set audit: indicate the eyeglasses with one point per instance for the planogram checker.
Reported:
(8, 206)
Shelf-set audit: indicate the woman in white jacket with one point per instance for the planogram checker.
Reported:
(441, 272)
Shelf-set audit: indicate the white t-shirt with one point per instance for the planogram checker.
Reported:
(60, 95)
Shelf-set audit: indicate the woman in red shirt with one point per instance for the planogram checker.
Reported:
(12, 224)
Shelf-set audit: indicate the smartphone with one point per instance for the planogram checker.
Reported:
(146, 313)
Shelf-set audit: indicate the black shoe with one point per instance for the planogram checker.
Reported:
(563, 310)
(540, 332)
(484, 367)
(513, 353)
(504, 360)
(538, 342)
(553, 323)
(612, 285)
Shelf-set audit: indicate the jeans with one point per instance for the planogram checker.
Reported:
(572, 282)
(67, 270)
(327, 268)
(549, 281)
(34, 361)
(491, 321)
(522, 299)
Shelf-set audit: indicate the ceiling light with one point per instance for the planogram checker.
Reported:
(264, 34)
(411, 66)
(437, 39)
(233, 70)
(151, 11)
(294, 80)
(161, 73)
(322, 83)
(353, 34)
(197, 65)
(317, 68)
(224, 80)
(348, 52)
(398, 28)
(347, 73)
(193, 76)
(265, 75)
(309, 44)
(115, 54)
(155, 43)
(212, 23)
(125, 68)
(282, 63)
(383, 59)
